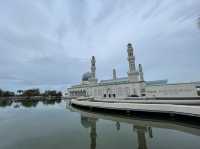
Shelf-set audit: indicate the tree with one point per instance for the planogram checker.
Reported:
(1, 93)
(6, 93)
(59, 94)
(31, 92)
(52, 93)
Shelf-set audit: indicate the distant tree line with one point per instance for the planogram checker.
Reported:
(31, 93)
(36, 92)
(6, 93)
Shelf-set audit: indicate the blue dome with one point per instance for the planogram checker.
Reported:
(86, 76)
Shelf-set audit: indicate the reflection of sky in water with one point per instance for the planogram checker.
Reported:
(54, 126)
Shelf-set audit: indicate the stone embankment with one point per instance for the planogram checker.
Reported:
(180, 107)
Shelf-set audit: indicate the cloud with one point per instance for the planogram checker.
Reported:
(48, 43)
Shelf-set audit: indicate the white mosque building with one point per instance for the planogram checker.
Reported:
(133, 85)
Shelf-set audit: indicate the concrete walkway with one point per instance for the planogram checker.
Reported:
(140, 106)
(148, 101)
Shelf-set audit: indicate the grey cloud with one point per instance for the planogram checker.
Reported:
(48, 43)
(198, 22)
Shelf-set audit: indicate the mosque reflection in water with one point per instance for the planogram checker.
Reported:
(141, 131)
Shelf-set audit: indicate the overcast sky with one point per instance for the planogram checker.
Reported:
(49, 43)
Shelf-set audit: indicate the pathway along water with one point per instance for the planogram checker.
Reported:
(58, 125)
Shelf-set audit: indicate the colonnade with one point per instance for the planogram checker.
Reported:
(78, 93)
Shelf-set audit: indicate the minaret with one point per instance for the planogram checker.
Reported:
(131, 58)
(114, 74)
(142, 84)
(133, 74)
(93, 67)
(93, 70)
(141, 72)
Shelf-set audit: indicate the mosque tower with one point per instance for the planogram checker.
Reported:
(93, 67)
(93, 70)
(133, 74)
(141, 73)
(114, 74)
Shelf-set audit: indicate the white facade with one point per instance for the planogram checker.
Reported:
(118, 90)
(131, 86)
(173, 90)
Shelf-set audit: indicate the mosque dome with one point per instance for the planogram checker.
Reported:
(86, 76)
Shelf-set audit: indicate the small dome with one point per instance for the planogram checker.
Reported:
(86, 76)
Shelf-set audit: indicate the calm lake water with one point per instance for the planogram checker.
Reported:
(58, 126)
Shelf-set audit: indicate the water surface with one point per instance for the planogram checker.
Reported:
(56, 125)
